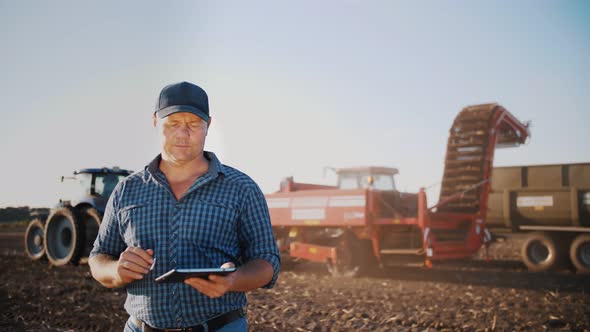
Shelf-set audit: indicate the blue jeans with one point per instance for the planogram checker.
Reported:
(238, 325)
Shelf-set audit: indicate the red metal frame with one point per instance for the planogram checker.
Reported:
(314, 253)
(328, 207)
(502, 120)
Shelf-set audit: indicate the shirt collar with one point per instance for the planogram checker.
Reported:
(215, 166)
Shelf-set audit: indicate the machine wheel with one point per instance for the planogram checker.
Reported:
(541, 252)
(34, 240)
(63, 237)
(355, 257)
(90, 221)
(287, 262)
(580, 253)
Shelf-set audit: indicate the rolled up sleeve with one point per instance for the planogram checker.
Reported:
(256, 235)
(109, 241)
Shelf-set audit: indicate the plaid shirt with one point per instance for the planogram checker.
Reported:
(222, 217)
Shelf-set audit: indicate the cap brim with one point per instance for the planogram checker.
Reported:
(182, 108)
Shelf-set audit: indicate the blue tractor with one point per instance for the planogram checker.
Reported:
(67, 234)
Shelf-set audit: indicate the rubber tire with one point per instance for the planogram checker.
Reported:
(66, 218)
(90, 222)
(582, 265)
(35, 252)
(288, 262)
(359, 256)
(549, 243)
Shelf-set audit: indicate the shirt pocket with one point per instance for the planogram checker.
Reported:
(214, 255)
(140, 225)
(211, 224)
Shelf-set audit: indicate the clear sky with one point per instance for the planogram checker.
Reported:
(293, 87)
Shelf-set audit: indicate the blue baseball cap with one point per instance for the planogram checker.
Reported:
(183, 97)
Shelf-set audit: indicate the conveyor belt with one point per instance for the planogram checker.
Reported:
(465, 159)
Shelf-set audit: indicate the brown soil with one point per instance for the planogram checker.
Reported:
(453, 296)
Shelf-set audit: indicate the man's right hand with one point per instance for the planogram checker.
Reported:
(134, 263)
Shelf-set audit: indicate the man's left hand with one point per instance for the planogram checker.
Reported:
(215, 285)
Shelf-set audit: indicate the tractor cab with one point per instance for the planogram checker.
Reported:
(374, 178)
(93, 186)
(387, 201)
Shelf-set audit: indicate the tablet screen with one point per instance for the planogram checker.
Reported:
(178, 275)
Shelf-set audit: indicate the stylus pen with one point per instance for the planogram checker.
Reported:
(153, 264)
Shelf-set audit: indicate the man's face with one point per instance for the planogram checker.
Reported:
(183, 136)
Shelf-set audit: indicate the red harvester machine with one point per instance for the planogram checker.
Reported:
(365, 220)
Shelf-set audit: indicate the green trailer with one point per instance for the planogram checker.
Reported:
(551, 204)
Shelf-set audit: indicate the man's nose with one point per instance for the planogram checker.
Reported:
(183, 131)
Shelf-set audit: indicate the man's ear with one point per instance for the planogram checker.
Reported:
(155, 119)
(208, 125)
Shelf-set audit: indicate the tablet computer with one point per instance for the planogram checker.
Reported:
(178, 275)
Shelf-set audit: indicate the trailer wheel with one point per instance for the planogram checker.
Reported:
(63, 237)
(580, 253)
(34, 240)
(90, 222)
(355, 258)
(541, 252)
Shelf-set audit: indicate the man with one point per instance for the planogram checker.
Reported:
(185, 210)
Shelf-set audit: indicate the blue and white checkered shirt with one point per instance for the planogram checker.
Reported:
(222, 217)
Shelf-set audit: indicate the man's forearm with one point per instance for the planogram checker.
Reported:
(104, 269)
(253, 275)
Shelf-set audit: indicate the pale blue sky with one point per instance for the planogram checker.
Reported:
(293, 87)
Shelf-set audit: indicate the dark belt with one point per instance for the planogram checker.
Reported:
(212, 324)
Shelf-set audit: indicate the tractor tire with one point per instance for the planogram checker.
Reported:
(63, 237)
(580, 253)
(34, 247)
(90, 222)
(542, 252)
(355, 258)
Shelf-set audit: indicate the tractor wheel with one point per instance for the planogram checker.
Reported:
(90, 221)
(355, 258)
(34, 240)
(580, 253)
(542, 252)
(63, 237)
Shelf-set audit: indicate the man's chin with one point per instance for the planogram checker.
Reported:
(180, 157)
